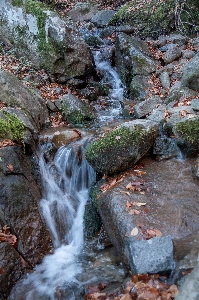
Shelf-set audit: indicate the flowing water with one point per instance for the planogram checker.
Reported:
(73, 265)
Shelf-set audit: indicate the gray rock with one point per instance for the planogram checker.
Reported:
(167, 47)
(190, 76)
(189, 290)
(177, 93)
(187, 54)
(195, 104)
(59, 48)
(151, 256)
(82, 11)
(51, 105)
(172, 54)
(158, 115)
(139, 86)
(107, 155)
(76, 111)
(165, 80)
(146, 107)
(101, 18)
(177, 38)
(125, 28)
(196, 168)
(165, 147)
(132, 58)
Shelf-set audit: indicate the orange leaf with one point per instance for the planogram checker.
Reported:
(10, 167)
(134, 212)
(128, 204)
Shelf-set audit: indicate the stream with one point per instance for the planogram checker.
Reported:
(66, 181)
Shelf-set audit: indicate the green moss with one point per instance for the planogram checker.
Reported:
(17, 3)
(158, 17)
(189, 131)
(93, 41)
(11, 127)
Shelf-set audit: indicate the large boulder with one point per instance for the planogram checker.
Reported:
(101, 18)
(25, 112)
(44, 38)
(121, 147)
(82, 11)
(190, 76)
(132, 58)
(138, 206)
(19, 201)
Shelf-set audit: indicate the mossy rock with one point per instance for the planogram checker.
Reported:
(93, 41)
(75, 111)
(158, 17)
(188, 131)
(11, 127)
(122, 147)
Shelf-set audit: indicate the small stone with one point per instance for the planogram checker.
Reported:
(188, 54)
(172, 54)
(165, 80)
(195, 104)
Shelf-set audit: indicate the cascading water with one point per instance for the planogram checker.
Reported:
(111, 79)
(66, 181)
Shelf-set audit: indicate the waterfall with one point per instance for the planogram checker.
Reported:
(65, 193)
(111, 79)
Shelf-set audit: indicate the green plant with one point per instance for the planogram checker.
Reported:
(189, 131)
(12, 127)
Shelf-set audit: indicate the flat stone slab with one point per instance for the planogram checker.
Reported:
(170, 193)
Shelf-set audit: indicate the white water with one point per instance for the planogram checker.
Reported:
(63, 203)
(112, 79)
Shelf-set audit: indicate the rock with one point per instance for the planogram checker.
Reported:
(51, 106)
(16, 95)
(189, 290)
(59, 48)
(11, 268)
(107, 155)
(196, 168)
(76, 111)
(101, 18)
(165, 148)
(82, 11)
(139, 86)
(19, 197)
(172, 54)
(64, 137)
(146, 107)
(187, 131)
(151, 256)
(177, 93)
(188, 54)
(158, 114)
(190, 76)
(125, 28)
(132, 58)
(171, 207)
(167, 47)
(177, 38)
(165, 80)
(93, 41)
(195, 104)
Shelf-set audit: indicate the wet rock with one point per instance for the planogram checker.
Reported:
(165, 148)
(177, 93)
(171, 207)
(139, 86)
(190, 76)
(158, 114)
(101, 18)
(93, 41)
(132, 58)
(19, 197)
(189, 290)
(76, 111)
(146, 107)
(82, 11)
(172, 54)
(59, 48)
(64, 137)
(165, 80)
(11, 268)
(107, 155)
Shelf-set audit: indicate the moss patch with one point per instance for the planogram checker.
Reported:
(11, 127)
(158, 17)
(189, 131)
(17, 3)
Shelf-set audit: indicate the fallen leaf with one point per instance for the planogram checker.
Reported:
(126, 297)
(173, 290)
(139, 204)
(118, 137)
(128, 204)
(1, 270)
(10, 167)
(134, 231)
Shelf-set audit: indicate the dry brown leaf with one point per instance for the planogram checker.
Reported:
(10, 167)
(173, 290)
(2, 270)
(126, 297)
(139, 204)
(134, 231)
(128, 204)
